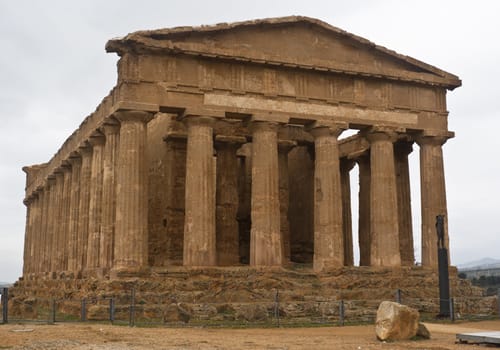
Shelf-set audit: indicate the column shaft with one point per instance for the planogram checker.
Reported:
(227, 235)
(433, 196)
(95, 201)
(384, 224)
(328, 234)
(57, 243)
(40, 251)
(83, 208)
(74, 207)
(51, 224)
(108, 196)
(345, 167)
(364, 210)
(265, 234)
(284, 148)
(131, 236)
(401, 152)
(28, 233)
(199, 219)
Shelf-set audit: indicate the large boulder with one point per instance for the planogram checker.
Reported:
(396, 321)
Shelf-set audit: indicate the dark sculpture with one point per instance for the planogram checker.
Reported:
(440, 230)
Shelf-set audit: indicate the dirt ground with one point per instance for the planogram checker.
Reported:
(107, 337)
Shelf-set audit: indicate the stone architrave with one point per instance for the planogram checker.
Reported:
(227, 234)
(345, 167)
(284, 147)
(199, 219)
(108, 213)
(433, 195)
(401, 151)
(74, 207)
(131, 235)
(265, 234)
(83, 207)
(95, 201)
(384, 225)
(364, 210)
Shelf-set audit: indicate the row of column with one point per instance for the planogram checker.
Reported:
(91, 215)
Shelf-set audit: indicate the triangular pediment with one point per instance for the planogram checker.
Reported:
(290, 41)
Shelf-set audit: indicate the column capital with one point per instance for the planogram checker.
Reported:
(433, 140)
(133, 115)
(228, 141)
(263, 125)
(85, 149)
(199, 120)
(285, 146)
(382, 133)
(109, 128)
(403, 147)
(96, 139)
(320, 129)
(347, 164)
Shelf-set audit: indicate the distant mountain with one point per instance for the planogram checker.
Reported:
(5, 285)
(484, 263)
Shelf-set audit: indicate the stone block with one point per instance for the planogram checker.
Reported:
(395, 321)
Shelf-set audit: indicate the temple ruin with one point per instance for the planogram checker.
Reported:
(219, 146)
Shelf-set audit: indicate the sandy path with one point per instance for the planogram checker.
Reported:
(106, 337)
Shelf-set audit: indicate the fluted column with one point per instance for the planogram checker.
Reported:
(131, 228)
(227, 235)
(57, 246)
(95, 201)
(35, 242)
(401, 151)
(40, 250)
(199, 219)
(328, 235)
(111, 132)
(364, 210)
(28, 233)
(51, 223)
(433, 195)
(83, 207)
(65, 217)
(265, 234)
(345, 167)
(284, 147)
(384, 226)
(74, 208)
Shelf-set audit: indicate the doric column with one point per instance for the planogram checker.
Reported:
(384, 226)
(328, 235)
(40, 249)
(364, 210)
(35, 242)
(74, 207)
(284, 147)
(28, 234)
(111, 132)
(199, 219)
(265, 234)
(433, 195)
(227, 235)
(65, 217)
(131, 228)
(83, 207)
(401, 151)
(51, 223)
(57, 244)
(345, 167)
(95, 201)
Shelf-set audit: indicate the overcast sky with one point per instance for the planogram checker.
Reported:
(54, 71)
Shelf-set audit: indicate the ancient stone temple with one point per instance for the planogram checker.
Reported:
(222, 146)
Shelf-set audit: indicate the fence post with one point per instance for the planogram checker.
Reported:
(452, 310)
(398, 296)
(5, 305)
(112, 310)
(277, 307)
(131, 321)
(52, 315)
(341, 313)
(84, 310)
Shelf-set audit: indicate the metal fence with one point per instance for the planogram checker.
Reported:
(132, 311)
